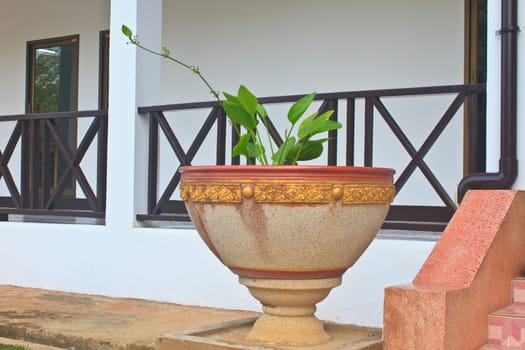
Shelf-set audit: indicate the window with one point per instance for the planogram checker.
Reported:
(476, 73)
(52, 86)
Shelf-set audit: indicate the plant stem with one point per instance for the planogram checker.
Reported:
(193, 69)
(270, 141)
(294, 162)
(262, 157)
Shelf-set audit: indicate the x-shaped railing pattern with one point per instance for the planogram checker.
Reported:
(73, 157)
(5, 157)
(417, 156)
(162, 208)
(158, 121)
(35, 194)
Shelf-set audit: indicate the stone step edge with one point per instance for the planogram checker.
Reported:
(31, 346)
(498, 347)
(25, 333)
(518, 314)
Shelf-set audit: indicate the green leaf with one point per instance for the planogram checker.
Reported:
(245, 147)
(241, 148)
(327, 126)
(282, 153)
(309, 120)
(127, 32)
(230, 97)
(238, 114)
(308, 150)
(254, 150)
(247, 99)
(299, 107)
(262, 111)
(318, 125)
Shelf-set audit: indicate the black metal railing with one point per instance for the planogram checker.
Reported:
(162, 207)
(50, 164)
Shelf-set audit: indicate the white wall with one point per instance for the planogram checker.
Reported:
(493, 85)
(34, 20)
(175, 265)
(280, 47)
(365, 45)
(120, 259)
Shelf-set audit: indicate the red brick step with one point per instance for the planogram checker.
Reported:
(507, 325)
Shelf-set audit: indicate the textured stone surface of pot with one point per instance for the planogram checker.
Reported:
(287, 223)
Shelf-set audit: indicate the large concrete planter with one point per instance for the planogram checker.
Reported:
(289, 232)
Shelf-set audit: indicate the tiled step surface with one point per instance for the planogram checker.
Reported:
(498, 347)
(518, 291)
(507, 325)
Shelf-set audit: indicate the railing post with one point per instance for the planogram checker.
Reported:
(235, 138)
(369, 132)
(45, 164)
(472, 137)
(332, 134)
(221, 137)
(25, 159)
(30, 186)
(102, 162)
(350, 131)
(153, 162)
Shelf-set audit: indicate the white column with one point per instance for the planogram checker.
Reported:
(149, 30)
(127, 146)
(493, 85)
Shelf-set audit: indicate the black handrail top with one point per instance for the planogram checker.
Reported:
(55, 115)
(426, 90)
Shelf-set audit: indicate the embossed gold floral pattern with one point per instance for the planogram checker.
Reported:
(292, 193)
(223, 193)
(368, 194)
(288, 192)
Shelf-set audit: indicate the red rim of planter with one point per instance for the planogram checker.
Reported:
(210, 172)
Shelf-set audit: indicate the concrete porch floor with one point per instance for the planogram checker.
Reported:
(81, 322)
(51, 320)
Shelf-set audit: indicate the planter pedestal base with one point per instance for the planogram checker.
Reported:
(288, 330)
(232, 336)
(289, 307)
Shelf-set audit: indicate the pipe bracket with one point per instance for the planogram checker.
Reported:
(506, 30)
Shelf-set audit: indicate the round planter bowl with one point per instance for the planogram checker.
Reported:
(289, 232)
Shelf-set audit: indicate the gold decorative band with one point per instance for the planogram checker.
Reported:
(287, 192)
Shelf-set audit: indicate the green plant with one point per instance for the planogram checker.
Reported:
(13, 347)
(245, 110)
